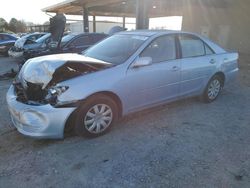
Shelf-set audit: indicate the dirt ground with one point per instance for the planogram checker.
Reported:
(184, 144)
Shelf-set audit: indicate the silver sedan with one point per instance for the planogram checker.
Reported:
(127, 72)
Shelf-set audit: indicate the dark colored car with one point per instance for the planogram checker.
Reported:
(71, 43)
(4, 37)
(6, 42)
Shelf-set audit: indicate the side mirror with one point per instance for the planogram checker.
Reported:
(142, 62)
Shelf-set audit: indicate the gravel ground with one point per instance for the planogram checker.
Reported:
(183, 144)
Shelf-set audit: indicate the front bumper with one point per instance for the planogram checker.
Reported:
(15, 54)
(37, 121)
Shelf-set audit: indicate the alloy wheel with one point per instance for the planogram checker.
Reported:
(214, 89)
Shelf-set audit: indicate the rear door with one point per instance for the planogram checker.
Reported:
(198, 64)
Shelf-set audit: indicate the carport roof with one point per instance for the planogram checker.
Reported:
(128, 7)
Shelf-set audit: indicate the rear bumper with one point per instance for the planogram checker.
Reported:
(37, 121)
(232, 75)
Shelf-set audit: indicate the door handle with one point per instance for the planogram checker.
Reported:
(175, 68)
(212, 61)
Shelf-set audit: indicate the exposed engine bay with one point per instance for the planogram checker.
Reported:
(37, 81)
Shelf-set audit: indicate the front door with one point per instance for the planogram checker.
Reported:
(157, 82)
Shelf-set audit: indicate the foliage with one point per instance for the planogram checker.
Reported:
(16, 26)
(3, 25)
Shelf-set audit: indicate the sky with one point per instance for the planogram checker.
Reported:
(27, 10)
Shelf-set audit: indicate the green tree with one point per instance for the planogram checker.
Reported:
(13, 25)
(21, 27)
(3, 25)
(17, 26)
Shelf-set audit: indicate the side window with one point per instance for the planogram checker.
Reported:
(208, 50)
(97, 38)
(32, 38)
(5, 37)
(161, 49)
(82, 41)
(191, 46)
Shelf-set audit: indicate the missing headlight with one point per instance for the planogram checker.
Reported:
(54, 92)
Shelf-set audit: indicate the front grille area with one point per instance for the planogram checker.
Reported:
(20, 92)
(33, 92)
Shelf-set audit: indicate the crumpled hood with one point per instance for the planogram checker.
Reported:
(41, 70)
(20, 42)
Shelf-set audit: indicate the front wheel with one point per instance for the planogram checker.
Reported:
(213, 89)
(96, 116)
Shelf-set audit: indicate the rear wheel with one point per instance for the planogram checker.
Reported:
(213, 89)
(96, 116)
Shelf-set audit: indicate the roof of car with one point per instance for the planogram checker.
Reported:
(149, 33)
(6, 34)
(9, 34)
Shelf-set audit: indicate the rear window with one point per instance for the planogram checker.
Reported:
(192, 46)
(82, 41)
(98, 37)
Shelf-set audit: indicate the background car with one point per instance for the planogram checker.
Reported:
(39, 45)
(71, 43)
(6, 42)
(17, 50)
(125, 73)
(4, 37)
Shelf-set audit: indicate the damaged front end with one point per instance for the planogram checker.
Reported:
(38, 81)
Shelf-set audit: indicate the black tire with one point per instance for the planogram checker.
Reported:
(6, 54)
(80, 127)
(206, 97)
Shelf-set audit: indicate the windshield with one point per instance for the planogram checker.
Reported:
(67, 38)
(116, 49)
(43, 38)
